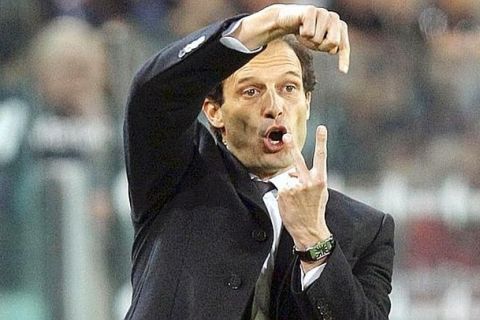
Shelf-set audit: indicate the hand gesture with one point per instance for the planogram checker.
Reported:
(302, 206)
(316, 28)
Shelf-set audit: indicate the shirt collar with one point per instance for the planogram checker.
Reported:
(281, 180)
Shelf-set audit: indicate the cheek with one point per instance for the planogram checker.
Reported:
(238, 124)
(239, 132)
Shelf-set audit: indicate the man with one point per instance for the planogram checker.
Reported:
(208, 243)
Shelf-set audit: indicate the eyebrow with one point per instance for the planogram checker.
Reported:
(248, 79)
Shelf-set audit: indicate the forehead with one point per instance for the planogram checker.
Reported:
(276, 60)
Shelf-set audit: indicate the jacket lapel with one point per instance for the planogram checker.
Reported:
(244, 186)
(241, 179)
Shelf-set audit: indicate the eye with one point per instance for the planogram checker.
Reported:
(250, 92)
(290, 88)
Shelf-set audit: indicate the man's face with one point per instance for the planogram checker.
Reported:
(264, 100)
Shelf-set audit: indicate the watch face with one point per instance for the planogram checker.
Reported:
(318, 251)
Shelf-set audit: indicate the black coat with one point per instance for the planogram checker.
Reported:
(202, 232)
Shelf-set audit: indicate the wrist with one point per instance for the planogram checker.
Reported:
(309, 239)
(317, 252)
(259, 29)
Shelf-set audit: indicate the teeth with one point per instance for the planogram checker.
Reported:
(275, 142)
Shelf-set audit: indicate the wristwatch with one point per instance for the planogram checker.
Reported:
(316, 252)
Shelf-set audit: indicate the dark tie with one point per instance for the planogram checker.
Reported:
(264, 187)
(261, 299)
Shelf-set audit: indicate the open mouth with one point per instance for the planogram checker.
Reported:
(273, 138)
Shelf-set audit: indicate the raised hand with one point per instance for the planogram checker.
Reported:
(302, 206)
(316, 28)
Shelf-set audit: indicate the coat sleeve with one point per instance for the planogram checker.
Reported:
(357, 293)
(160, 120)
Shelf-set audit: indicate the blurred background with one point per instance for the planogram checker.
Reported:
(404, 129)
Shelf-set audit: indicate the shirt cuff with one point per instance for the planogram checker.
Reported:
(233, 43)
(310, 276)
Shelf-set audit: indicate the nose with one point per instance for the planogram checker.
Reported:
(272, 105)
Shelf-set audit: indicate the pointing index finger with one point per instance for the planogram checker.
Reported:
(320, 155)
(344, 49)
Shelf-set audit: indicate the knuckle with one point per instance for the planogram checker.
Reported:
(321, 153)
(322, 11)
(344, 24)
(334, 15)
(310, 8)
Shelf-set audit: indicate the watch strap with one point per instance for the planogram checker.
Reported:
(316, 252)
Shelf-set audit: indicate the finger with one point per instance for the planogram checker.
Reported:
(298, 161)
(320, 155)
(333, 36)
(309, 21)
(344, 49)
(322, 17)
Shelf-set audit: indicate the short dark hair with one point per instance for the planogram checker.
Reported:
(308, 75)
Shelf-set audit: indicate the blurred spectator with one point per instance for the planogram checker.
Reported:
(66, 183)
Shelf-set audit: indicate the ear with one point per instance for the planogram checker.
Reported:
(213, 112)
(308, 96)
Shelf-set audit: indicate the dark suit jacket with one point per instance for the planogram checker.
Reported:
(202, 232)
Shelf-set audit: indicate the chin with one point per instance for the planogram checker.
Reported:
(277, 165)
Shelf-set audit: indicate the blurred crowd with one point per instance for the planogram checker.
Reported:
(407, 113)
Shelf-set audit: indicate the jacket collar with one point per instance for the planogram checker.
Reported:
(243, 183)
